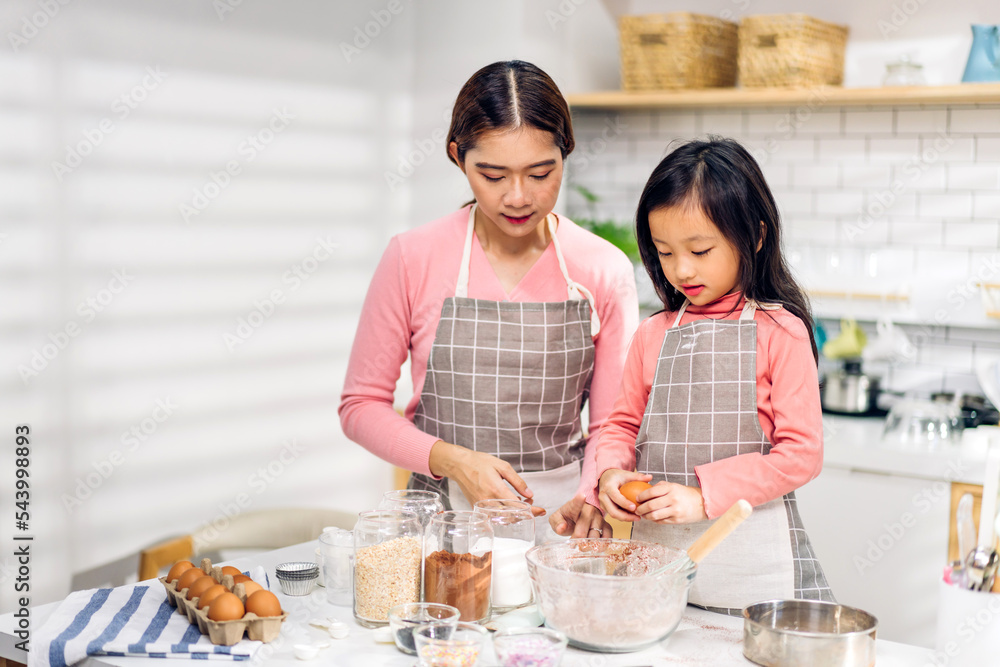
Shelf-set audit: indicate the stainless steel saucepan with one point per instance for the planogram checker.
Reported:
(848, 390)
(792, 633)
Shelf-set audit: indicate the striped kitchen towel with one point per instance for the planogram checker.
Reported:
(128, 620)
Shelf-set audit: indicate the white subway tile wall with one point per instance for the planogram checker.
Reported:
(875, 202)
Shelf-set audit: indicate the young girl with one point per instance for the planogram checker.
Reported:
(719, 398)
(513, 318)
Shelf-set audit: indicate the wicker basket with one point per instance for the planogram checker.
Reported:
(790, 50)
(677, 50)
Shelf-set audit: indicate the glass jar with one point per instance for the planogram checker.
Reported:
(387, 564)
(458, 557)
(513, 534)
(425, 503)
(336, 547)
(903, 72)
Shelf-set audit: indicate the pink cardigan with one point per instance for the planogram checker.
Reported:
(401, 311)
(788, 407)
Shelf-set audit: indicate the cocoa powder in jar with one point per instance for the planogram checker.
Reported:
(460, 580)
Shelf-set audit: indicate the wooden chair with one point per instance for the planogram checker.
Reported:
(263, 529)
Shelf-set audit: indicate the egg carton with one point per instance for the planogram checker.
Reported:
(223, 633)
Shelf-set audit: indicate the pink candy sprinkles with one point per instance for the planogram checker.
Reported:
(527, 651)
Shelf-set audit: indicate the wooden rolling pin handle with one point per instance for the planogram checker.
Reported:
(719, 530)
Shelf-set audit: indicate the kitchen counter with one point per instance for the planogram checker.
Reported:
(702, 638)
(855, 443)
(878, 519)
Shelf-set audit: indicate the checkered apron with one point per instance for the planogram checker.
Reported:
(509, 379)
(703, 407)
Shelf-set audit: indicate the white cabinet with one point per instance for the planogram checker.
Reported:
(883, 541)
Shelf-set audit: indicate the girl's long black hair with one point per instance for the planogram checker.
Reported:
(721, 177)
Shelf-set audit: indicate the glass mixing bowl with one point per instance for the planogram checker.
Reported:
(610, 595)
(920, 424)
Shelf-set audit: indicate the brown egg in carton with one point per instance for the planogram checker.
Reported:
(224, 633)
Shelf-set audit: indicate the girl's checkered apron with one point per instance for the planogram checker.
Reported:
(703, 407)
(509, 379)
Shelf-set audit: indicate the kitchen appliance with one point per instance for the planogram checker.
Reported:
(848, 390)
(610, 595)
(789, 633)
(984, 56)
(975, 410)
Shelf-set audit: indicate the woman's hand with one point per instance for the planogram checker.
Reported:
(478, 475)
(612, 501)
(577, 518)
(672, 503)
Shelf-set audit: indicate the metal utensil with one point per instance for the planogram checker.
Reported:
(711, 538)
(990, 571)
(966, 529)
(975, 568)
(979, 562)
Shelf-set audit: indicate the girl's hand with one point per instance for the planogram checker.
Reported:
(672, 503)
(576, 518)
(480, 476)
(612, 501)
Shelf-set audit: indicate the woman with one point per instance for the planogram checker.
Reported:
(513, 318)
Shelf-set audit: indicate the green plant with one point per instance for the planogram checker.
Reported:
(617, 233)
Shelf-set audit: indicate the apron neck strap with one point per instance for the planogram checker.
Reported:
(574, 290)
(462, 286)
(749, 308)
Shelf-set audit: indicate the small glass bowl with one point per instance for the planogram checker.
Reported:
(444, 645)
(521, 647)
(405, 618)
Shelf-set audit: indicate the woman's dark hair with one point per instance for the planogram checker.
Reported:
(720, 177)
(508, 95)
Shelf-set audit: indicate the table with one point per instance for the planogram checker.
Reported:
(702, 638)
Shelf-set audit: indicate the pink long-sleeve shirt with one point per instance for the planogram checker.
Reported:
(418, 271)
(788, 407)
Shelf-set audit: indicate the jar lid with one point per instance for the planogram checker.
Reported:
(903, 62)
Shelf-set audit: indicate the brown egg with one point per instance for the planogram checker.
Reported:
(251, 587)
(264, 603)
(229, 569)
(237, 578)
(206, 598)
(226, 607)
(632, 489)
(178, 569)
(189, 577)
(199, 586)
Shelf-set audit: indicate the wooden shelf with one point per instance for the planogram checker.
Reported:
(963, 94)
(864, 296)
